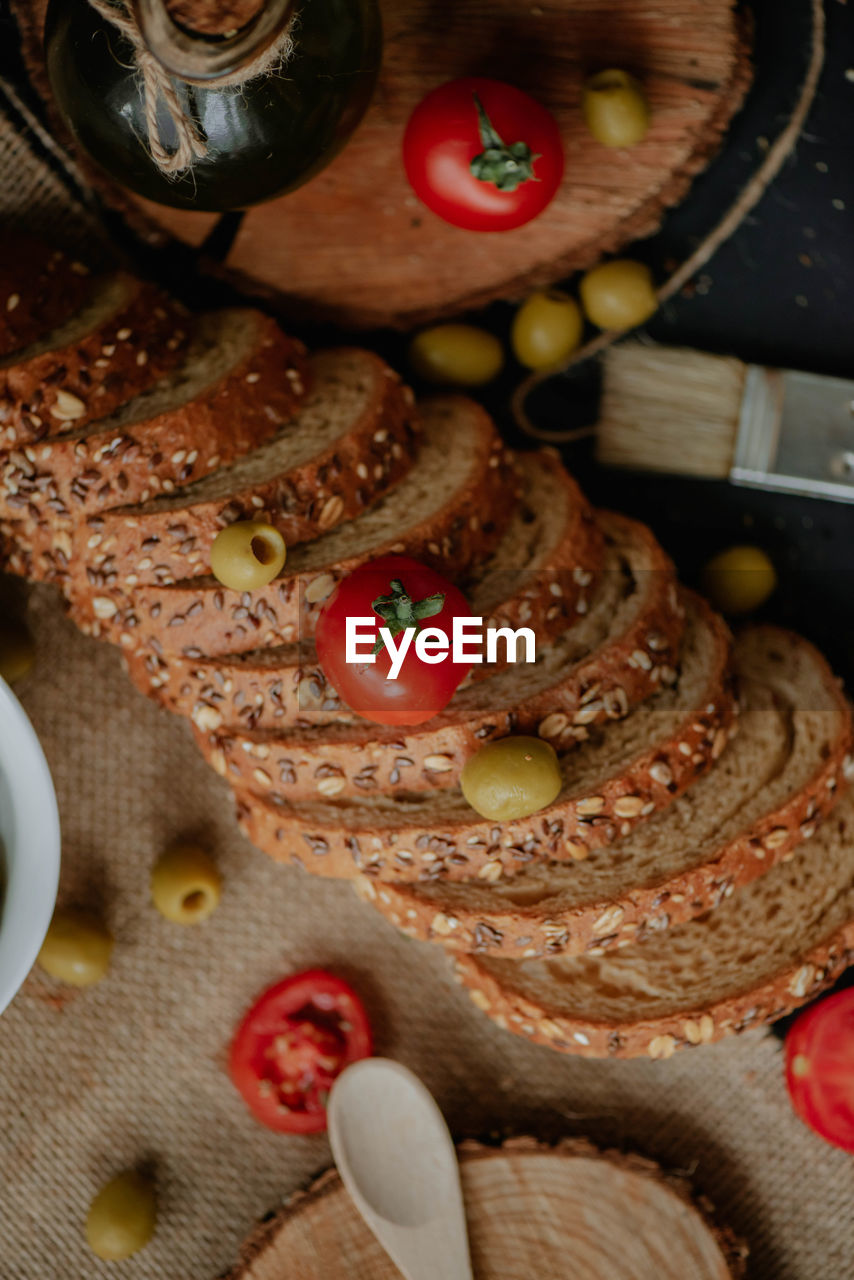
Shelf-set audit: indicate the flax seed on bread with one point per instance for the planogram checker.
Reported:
(348, 443)
(126, 336)
(241, 379)
(775, 781)
(425, 836)
(613, 657)
(551, 535)
(766, 949)
(450, 511)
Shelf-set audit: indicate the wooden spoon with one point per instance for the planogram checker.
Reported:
(397, 1160)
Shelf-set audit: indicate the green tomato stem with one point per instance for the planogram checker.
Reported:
(506, 167)
(398, 610)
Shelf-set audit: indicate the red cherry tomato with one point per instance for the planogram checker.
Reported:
(483, 155)
(292, 1043)
(820, 1068)
(421, 689)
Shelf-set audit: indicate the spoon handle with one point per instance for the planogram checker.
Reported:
(398, 1162)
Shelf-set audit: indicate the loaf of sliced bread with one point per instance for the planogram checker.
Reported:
(551, 535)
(240, 381)
(624, 773)
(40, 288)
(615, 656)
(450, 510)
(351, 441)
(126, 336)
(769, 947)
(776, 780)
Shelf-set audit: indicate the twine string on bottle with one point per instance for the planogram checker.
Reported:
(160, 89)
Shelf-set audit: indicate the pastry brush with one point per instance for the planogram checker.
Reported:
(679, 411)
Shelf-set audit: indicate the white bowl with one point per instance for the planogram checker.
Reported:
(29, 829)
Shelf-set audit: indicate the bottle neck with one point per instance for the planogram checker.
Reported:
(201, 58)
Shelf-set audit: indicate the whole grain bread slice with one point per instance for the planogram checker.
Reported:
(616, 655)
(551, 535)
(765, 950)
(350, 442)
(775, 781)
(450, 510)
(41, 287)
(239, 382)
(126, 336)
(625, 772)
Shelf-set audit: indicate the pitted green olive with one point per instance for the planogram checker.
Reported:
(17, 651)
(122, 1217)
(185, 885)
(512, 778)
(619, 294)
(76, 949)
(247, 555)
(615, 108)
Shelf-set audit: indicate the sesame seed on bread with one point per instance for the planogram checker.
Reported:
(415, 836)
(775, 781)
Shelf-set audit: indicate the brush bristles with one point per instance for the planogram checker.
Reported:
(669, 409)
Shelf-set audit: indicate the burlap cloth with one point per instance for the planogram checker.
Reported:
(132, 1071)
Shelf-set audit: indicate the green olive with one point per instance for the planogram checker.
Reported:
(185, 885)
(547, 328)
(618, 294)
(247, 555)
(457, 355)
(512, 778)
(76, 950)
(615, 108)
(17, 650)
(739, 579)
(122, 1217)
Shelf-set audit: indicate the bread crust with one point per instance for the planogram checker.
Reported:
(597, 926)
(65, 479)
(41, 287)
(207, 617)
(416, 849)
(600, 687)
(303, 502)
(660, 1037)
(41, 395)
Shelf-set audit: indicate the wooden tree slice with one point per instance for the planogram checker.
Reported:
(533, 1211)
(356, 247)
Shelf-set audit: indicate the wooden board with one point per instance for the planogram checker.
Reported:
(533, 1211)
(356, 247)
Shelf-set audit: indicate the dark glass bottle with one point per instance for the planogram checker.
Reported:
(263, 138)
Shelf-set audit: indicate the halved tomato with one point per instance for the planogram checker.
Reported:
(292, 1043)
(820, 1068)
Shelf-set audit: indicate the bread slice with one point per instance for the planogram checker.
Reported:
(612, 659)
(449, 511)
(628, 770)
(127, 336)
(765, 950)
(40, 288)
(551, 535)
(240, 381)
(350, 442)
(774, 782)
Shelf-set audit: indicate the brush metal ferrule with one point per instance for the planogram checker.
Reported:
(796, 434)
